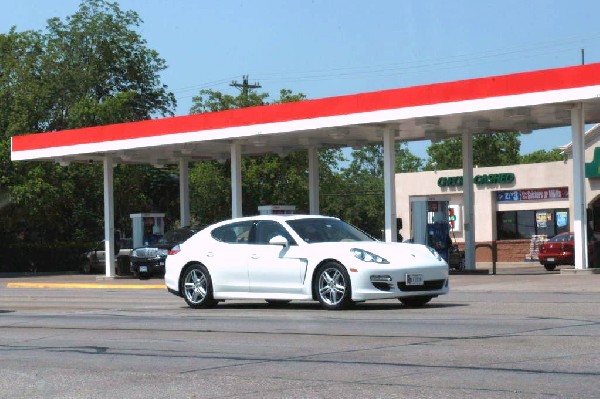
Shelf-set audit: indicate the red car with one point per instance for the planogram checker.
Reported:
(560, 250)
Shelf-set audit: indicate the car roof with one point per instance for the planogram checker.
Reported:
(279, 218)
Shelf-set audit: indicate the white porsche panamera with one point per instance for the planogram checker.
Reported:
(280, 258)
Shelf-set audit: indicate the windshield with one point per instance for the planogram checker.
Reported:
(327, 230)
(562, 238)
(177, 236)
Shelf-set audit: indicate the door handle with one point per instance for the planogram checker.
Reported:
(254, 256)
(210, 254)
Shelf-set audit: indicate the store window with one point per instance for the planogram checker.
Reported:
(513, 225)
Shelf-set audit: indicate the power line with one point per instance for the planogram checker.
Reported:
(245, 86)
(414, 67)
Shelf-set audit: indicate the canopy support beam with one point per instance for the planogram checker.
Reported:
(579, 200)
(313, 180)
(236, 180)
(468, 200)
(184, 193)
(389, 183)
(109, 217)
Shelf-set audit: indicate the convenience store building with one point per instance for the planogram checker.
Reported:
(515, 206)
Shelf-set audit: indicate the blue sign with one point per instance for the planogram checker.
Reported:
(508, 196)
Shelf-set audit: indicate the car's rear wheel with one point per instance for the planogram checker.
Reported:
(549, 267)
(415, 301)
(197, 287)
(333, 287)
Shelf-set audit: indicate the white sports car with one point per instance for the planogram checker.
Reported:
(280, 258)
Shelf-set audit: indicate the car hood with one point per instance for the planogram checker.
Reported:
(388, 250)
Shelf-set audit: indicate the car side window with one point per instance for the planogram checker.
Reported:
(235, 233)
(267, 229)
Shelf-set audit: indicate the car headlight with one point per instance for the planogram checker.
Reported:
(162, 253)
(367, 256)
(435, 253)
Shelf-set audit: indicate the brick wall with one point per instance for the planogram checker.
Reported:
(507, 251)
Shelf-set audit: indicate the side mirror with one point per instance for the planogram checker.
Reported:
(279, 240)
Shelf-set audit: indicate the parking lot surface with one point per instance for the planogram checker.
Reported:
(522, 333)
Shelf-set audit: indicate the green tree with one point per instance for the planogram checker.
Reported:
(540, 156)
(92, 68)
(406, 161)
(107, 73)
(492, 149)
(369, 159)
(267, 179)
(357, 194)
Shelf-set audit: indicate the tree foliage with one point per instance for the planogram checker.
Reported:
(492, 149)
(357, 195)
(353, 192)
(106, 72)
(540, 156)
(267, 179)
(93, 68)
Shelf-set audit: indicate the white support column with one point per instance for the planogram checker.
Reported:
(236, 180)
(184, 193)
(313, 180)
(468, 200)
(389, 184)
(579, 200)
(109, 217)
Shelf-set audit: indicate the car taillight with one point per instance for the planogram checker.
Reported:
(175, 250)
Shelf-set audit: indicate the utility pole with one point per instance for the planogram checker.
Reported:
(245, 87)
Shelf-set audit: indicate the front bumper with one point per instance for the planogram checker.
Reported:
(143, 266)
(434, 282)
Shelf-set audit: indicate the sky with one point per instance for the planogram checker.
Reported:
(325, 48)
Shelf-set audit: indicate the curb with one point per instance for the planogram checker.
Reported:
(83, 285)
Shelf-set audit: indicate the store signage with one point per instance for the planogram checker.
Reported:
(557, 193)
(592, 169)
(454, 218)
(479, 180)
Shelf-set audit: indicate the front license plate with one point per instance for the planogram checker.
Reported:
(550, 259)
(414, 279)
(143, 269)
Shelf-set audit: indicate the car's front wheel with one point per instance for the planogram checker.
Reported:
(333, 287)
(415, 301)
(86, 268)
(197, 287)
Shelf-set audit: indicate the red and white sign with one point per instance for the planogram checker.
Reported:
(545, 194)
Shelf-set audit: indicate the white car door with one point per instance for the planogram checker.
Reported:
(274, 268)
(227, 258)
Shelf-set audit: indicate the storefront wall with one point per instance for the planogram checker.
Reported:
(530, 180)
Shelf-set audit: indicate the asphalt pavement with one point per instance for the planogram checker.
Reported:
(522, 333)
(528, 276)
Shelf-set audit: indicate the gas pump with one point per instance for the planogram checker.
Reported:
(276, 209)
(147, 228)
(430, 223)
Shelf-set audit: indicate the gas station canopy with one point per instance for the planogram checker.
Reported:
(518, 102)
